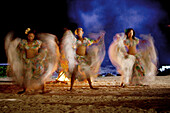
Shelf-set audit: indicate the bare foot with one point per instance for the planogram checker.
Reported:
(94, 88)
(122, 85)
(21, 92)
(70, 89)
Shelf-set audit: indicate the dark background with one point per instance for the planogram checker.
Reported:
(52, 17)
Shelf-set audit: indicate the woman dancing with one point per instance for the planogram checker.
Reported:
(31, 61)
(84, 59)
(136, 66)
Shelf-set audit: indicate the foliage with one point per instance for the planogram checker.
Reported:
(3, 71)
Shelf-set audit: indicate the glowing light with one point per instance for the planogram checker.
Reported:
(10, 100)
(163, 68)
(62, 77)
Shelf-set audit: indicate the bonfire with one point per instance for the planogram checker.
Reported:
(60, 79)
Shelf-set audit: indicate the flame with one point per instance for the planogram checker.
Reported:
(62, 77)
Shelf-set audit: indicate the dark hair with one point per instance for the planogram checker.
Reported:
(31, 31)
(128, 30)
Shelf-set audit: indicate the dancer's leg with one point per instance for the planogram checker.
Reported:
(24, 88)
(21, 92)
(90, 83)
(73, 77)
(43, 88)
(72, 81)
(122, 79)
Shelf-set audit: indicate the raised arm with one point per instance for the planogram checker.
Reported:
(101, 36)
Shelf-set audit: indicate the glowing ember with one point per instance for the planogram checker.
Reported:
(62, 77)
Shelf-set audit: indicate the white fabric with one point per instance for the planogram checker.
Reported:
(21, 76)
(94, 57)
(124, 65)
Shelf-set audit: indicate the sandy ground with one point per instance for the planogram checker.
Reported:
(109, 98)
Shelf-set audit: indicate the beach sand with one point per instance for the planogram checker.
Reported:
(109, 98)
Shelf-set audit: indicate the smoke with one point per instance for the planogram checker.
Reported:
(115, 16)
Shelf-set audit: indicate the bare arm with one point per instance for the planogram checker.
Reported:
(96, 41)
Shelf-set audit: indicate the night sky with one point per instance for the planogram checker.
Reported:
(110, 15)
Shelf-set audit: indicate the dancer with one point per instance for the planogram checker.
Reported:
(136, 66)
(32, 61)
(84, 59)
